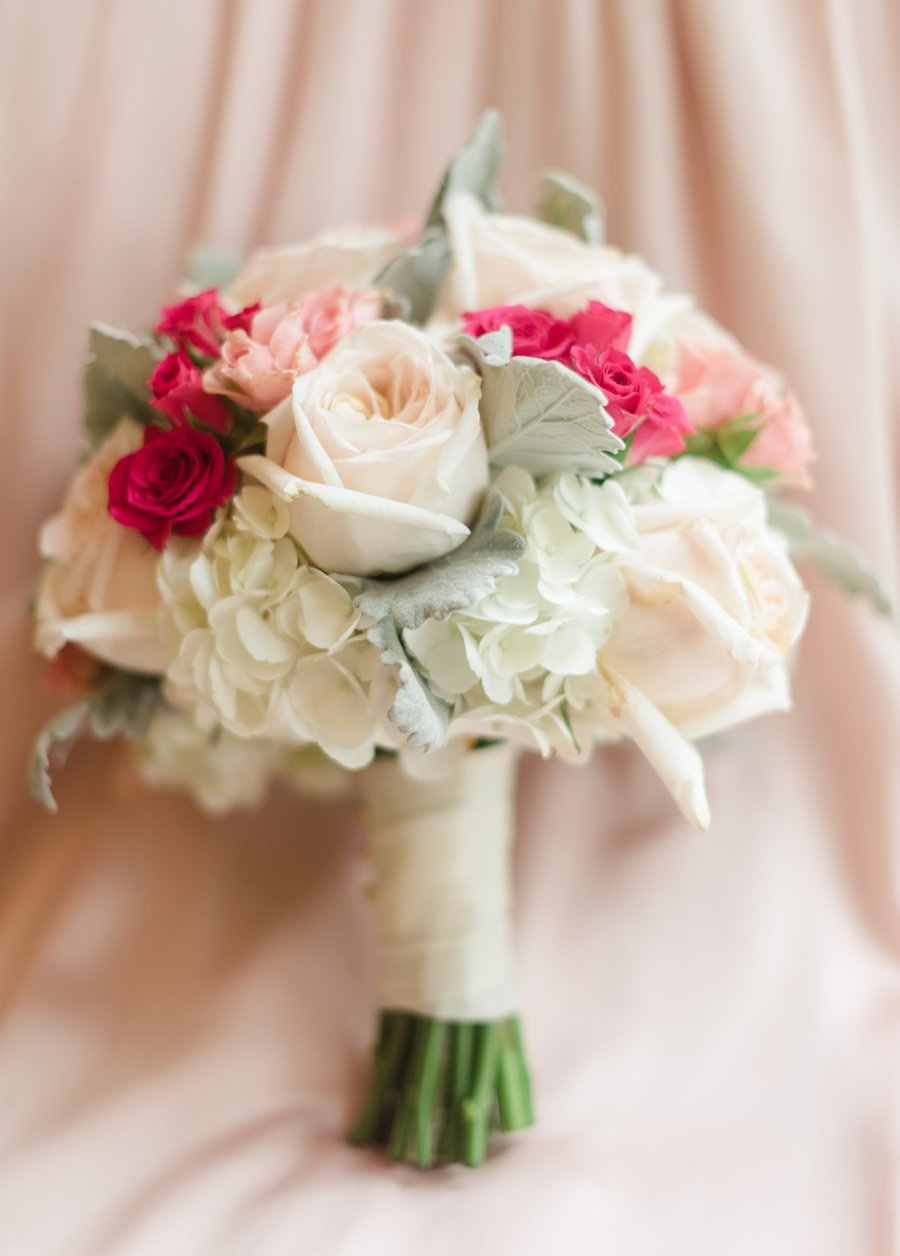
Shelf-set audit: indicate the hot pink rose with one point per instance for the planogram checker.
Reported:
(636, 403)
(177, 387)
(627, 388)
(600, 327)
(259, 363)
(535, 333)
(661, 433)
(197, 322)
(173, 483)
(717, 385)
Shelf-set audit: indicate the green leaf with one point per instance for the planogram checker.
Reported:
(539, 415)
(211, 267)
(568, 203)
(833, 557)
(416, 273)
(123, 705)
(119, 364)
(417, 712)
(447, 584)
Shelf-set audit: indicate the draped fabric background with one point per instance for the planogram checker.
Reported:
(713, 1019)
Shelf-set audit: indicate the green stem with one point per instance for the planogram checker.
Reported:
(478, 1108)
(390, 1056)
(439, 1087)
(513, 1089)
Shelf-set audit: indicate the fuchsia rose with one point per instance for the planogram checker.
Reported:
(636, 402)
(177, 388)
(628, 388)
(173, 483)
(600, 327)
(535, 333)
(718, 385)
(260, 362)
(201, 323)
(662, 432)
(195, 322)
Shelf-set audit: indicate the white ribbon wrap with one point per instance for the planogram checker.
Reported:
(442, 853)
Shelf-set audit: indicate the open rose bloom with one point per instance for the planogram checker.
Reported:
(411, 509)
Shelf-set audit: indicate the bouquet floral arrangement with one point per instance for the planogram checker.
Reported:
(408, 506)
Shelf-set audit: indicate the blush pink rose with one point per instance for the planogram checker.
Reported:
(717, 385)
(535, 333)
(259, 363)
(177, 388)
(173, 483)
(784, 442)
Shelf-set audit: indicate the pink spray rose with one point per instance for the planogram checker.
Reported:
(717, 385)
(635, 400)
(173, 483)
(535, 333)
(260, 362)
(600, 327)
(177, 388)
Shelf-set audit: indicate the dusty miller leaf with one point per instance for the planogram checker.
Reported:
(119, 364)
(416, 273)
(210, 267)
(539, 415)
(419, 715)
(447, 584)
(833, 557)
(568, 203)
(124, 705)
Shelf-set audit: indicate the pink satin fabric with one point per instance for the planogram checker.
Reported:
(713, 1019)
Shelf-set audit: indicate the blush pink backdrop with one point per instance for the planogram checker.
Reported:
(713, 1019)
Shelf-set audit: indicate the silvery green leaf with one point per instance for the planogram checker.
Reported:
(833, 557)
(119, 364)
(209, 267)
(124, 705)
(447, 584)
(539, 415)
(419, 715)
(416, 273)
(568, 203)
(475, 167)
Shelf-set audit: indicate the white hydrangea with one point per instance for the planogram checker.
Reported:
(266, 646)
(504, 660)
(222, 771)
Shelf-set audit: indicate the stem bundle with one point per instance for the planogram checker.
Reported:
(440, 1087)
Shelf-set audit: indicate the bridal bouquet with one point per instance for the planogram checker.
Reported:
(408, 507)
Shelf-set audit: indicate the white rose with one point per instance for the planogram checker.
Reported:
(714, 606)
(380, 453)
(353, 256)
(503, 259)
(98, 589)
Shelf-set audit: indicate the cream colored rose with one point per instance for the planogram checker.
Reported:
(714, 606)
(380, 453)
(353, 256)
(503, 259)
(98, 588)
